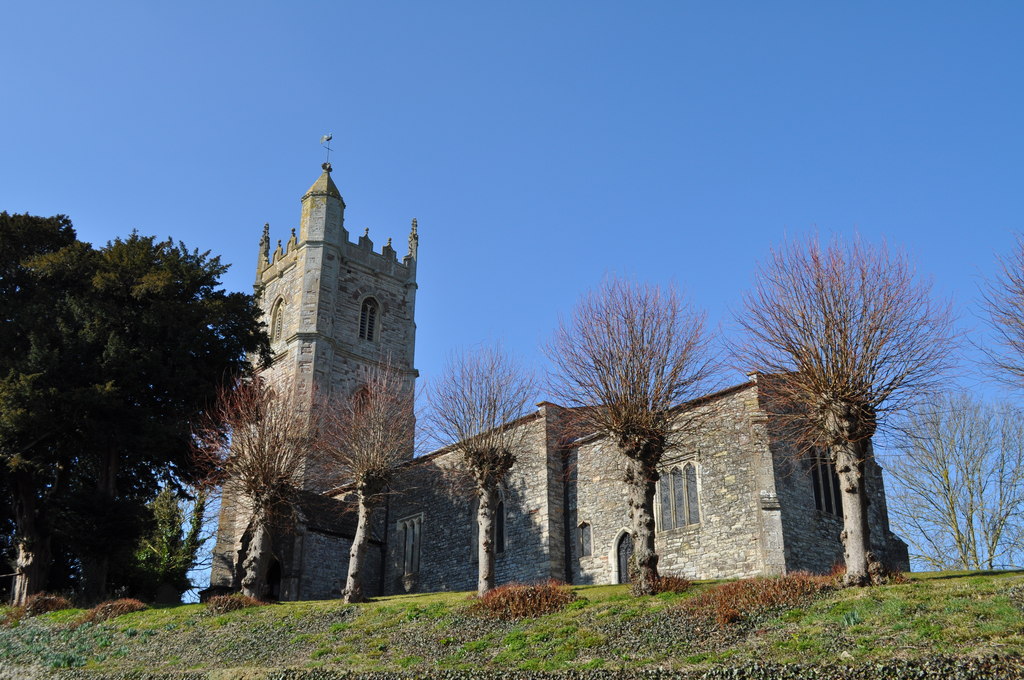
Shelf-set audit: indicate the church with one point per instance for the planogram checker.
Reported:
(733, 500)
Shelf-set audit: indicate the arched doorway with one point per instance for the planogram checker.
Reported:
(623, 551)
(274, 581)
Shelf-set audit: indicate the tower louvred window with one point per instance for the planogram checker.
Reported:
(368, 320)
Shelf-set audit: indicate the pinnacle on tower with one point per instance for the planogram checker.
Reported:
(414, 240)
(264, 256)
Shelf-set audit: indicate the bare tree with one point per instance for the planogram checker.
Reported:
(255, 441)
(365, 436)
(958, 496)
(474, 408)
(845, 336)
(1003, 299)
(629, 354)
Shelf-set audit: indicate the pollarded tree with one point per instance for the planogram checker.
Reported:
(626, 358)
(365, 436)
(255, 442)
(845, 335)
(473, 409)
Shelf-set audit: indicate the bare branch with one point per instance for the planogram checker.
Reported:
(258, 437)
(256, 440)
(843, 324)
(627, 357)
(364, 437)
(845, 336)
(959, 491)
(629, 354)
(476, 407)
(1003, 300)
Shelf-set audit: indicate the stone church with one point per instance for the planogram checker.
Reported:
(732, 502)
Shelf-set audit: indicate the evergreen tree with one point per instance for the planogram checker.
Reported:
(116, 351)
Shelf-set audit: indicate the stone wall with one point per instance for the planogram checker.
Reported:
(229, 535)
(321, 280)
(324, 566)
(812, 537)
(438, 489)
(726, 543)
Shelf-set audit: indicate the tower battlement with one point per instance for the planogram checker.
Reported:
(270, 265)
(335, 306)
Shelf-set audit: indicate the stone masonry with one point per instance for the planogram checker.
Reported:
(757, 511)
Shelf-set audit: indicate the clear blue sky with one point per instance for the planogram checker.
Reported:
(540, 144)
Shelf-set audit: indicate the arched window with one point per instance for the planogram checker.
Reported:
(499, 528)
(409, 530)
(680, 505)
(277, 321)
(368, 320)
(692, 505)
(678, 496)
(825, 481)
(584, 540)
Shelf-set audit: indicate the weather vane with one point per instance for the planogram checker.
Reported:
(325, 142)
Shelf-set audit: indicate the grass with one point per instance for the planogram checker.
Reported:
(950, 613)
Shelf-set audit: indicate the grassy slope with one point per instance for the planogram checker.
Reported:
(948, 613)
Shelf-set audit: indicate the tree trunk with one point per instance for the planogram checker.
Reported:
(96, 567)
(849, 460)
(256, 559)
(357, 555)
(485, 542)
(33, 543)
(641, 477)
(94, 571)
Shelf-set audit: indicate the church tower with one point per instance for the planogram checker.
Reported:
(334, 308)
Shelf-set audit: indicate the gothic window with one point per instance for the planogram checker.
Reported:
(368, 320)
(584, 540)
(666, 503)
(678, 498)
(680, 505)
(690, 479)
(277, 321)
(409, 530)
(499, 528)
(825, 481)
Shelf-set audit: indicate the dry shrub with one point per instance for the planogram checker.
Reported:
(41, 603)
(672, 584)
(517, 601)
(733, 602)
(221, 604)
(113, 608)
(12, 615)
(37, 604)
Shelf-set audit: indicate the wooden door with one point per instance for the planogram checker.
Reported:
(624, 550)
